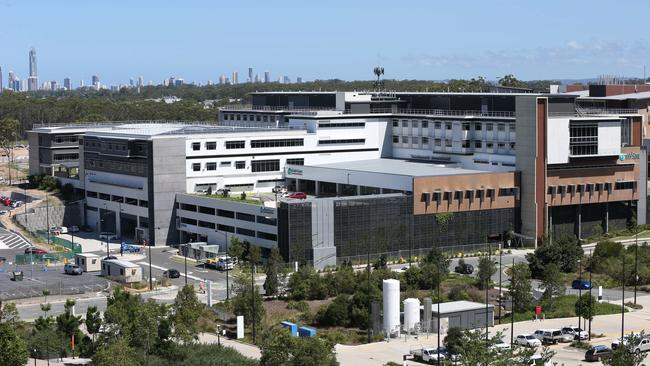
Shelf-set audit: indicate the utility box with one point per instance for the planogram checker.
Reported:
(88, 262)
(306, 332)
(293, 328)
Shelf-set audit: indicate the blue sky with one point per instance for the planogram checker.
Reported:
(199, 40)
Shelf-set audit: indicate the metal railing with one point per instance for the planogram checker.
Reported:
(126, 122)
(249, 107)
(444, 112)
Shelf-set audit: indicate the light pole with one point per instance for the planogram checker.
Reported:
(512, 305)
(47, 216)
(225, 233)
(438, 295)
(579, 292)
(25, 197)
(622, 297)
(369, 316)
(185, 259)
(253, 300)
(636, 262)
(487, 286)
(500, 259)
(150, 272)
(590, 298)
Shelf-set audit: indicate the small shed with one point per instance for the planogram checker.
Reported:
(121, 271)
(88, 262)
(461, 314)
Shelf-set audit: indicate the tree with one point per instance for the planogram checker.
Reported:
(520, 287)
(93, 117)
(14, 350)
(242, 303)
(9, 313)
(117, 353)
(187, 310)
(235, 248)
(564, 252)
(585, 306)
(273, 270)
(454, 340)
(279, 348)
(67, 323)
(45, 308)
(254, 254)
(511, 81)
(486, 269)
(8, 136)
(381, 262)
(274, 347)
(552, 284)
(93, 321)
(337, 313)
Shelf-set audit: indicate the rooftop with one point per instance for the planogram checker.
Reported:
(399, 167)
(144, 130)
(456, 306)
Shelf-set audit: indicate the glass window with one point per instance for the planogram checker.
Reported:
(196, 146)
(296, 161)
(405, 139)
(489, 126)
(478, 126)
(447, 143)
(395, 123)
(225, 164)
(265, 165)
(489, 145)
(501, 127)
(416, 124)
(240, 165)
(437, 142)
(395, 139)
(196, 167)
(437, 125)
(425, 124)
(276, 143)
(465, 144)
(341, 141)
(235, 144)
(405, 123)
(478, 144)
(211, 166)
(211, 145)
(466, 126)
(448, 125)
(425, 140)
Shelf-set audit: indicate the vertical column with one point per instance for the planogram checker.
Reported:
(358, 190)
(579, 221)
(297, 185)
(606, 217)
(338, 189)
(317, 188)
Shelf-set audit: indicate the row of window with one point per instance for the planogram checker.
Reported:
(255, 144)
(120, 199)
(230, 229)
(341, 141)
(248, 117)
(211, 166)
(66, 157)
(116, 166)
(465, 144)
(228, 214)
(466, 126)
(341, 125)
(265, 165)
(468, 194)
(590, 187)
(66, 139)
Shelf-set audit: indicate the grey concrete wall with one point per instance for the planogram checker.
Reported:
(324, 251)
(167, 177)
(37, 218)
(526, 117)
(641, 207)
(34, 161)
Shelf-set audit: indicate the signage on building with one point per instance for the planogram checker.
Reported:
(629, 156)
(266, 210)
(294, 171)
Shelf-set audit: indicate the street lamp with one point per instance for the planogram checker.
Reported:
(225, 233)
(150, 273)
(622, 297)
(500, 259)
(591, 262)
(636, 262)
(580, 293)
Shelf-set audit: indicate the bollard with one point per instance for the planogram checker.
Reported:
(600, 293)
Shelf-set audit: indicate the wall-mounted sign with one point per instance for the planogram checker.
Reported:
(629, 156)
(294, 171)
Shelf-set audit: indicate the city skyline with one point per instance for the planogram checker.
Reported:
(532, 41)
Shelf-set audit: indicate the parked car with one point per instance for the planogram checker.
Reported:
(298, 195)
(427, 354)
(73, 229)
(72, 269)
(15, 204)
(464, 269)
(552, 336)
(597, 353)
(3, 212)
(110, 257)
(86, 228)
(128, 248)
(34, 250)
(499, 345)
(106, 235)
(528, 340)
(171, 273)
(642, 346)
(223, 191)
(55, 230)
(63, 229)
(580, 285)
(449, 356)
(538, 360)
(222, 263)
(577, 333)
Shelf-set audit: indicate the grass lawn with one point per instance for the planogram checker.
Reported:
(565, 308)
(235, 198)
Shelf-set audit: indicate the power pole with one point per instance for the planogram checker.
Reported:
(590, 298)
(253, 300)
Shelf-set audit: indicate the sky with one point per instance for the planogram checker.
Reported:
(434, 40)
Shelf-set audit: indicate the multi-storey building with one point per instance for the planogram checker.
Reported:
(384, 172)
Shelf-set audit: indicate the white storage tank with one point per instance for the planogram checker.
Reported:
(411, 314)
(391, 307)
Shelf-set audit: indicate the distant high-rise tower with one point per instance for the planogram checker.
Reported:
(81, 83)
(267, 77)
(11, 81)
(250, 74)
(257, 78)
(140, 81)
(131, 82)
(95, 82)
(222, 79)
(235, 77)
(286, 80)
(33, 73)
(67, 84)
(299, 79)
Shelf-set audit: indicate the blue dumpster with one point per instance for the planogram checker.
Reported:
(306, 331)
(293, 328)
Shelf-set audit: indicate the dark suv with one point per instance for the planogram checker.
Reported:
(464, 268)
(597, 353)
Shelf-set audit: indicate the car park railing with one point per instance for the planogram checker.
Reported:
(73, 247)
(28, 289)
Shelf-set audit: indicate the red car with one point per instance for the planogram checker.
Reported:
(298, 195)
(34, 250)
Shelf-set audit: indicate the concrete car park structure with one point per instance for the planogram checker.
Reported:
(393, 173)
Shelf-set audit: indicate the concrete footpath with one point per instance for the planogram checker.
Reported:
(243, 348)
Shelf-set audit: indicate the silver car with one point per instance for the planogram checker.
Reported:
(72, 269)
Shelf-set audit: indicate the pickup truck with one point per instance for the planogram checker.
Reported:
(128, 248)
(426, 354)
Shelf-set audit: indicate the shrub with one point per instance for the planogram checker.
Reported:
(301, 305)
